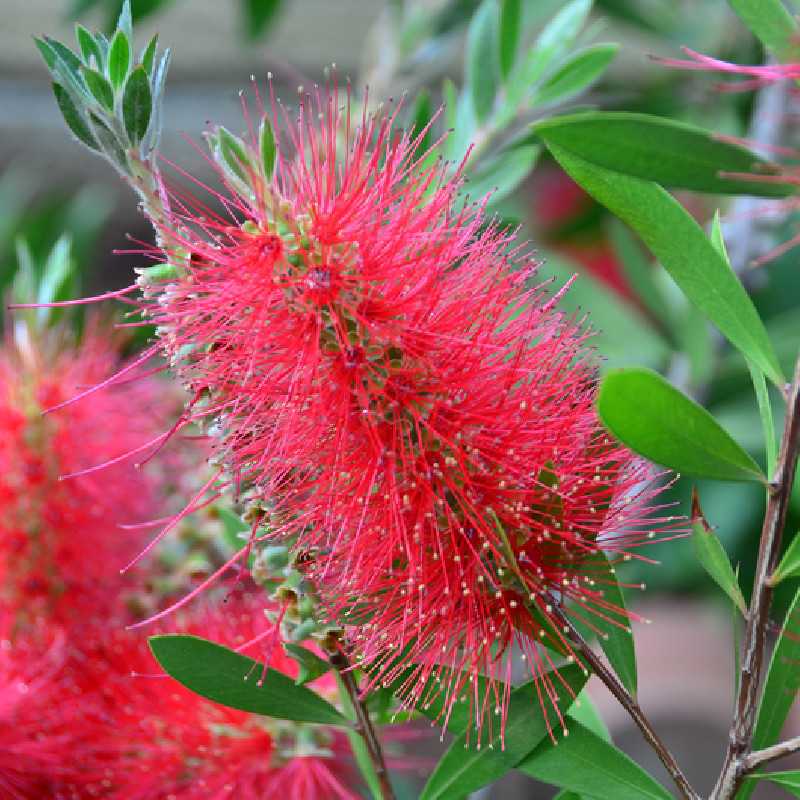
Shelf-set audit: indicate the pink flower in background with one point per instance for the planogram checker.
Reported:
(61, 549)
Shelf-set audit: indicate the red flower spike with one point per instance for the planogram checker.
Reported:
(388, 383)
(60, 545)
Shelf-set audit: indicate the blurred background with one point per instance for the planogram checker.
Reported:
(59, 201)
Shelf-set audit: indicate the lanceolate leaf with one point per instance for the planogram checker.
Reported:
(790, 563)
(464, 768)
(789, 780)
(585, 763)
(311, 665)
(675, 154)
(616, 637)
(685, 252)
(72, 117)
(580, 71)
(119, 59)
(231, 679)
(780, 688)
(502, 174)
(653, 418)
(137, 105)
(771, 23)
(510, 19)
(711, 554)
(482, 60)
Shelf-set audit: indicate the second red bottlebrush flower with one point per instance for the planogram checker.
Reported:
(397, 396)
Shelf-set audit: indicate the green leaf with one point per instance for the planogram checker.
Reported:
(616, 640)
(712, 556)
(311, 665)
(421, 113)
(655, 419)
(231, 679)
(269, 150)
(125, 21)
(585, 763)
(88, 46)
(510, 18)
(568, 795)
(780, 688)
(584, 711)
(137, 105)
(553, 42)
(684, 250)
(482, 59)
(623, 336)
(464, 769)
(790, 563)
(358, 745)
(639, 271)
(789, 780)
(99, 87)
(75, 122)
(771, 23)
(65, 54)
(503, 174)
(149, 55)
(234, 153)
(259, 15)
(675, 154)
(119, 60)
(576, 75)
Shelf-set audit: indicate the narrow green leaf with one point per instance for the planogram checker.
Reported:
(99, 87)
(771, 23)
(790, 563)
(108, 142)
(72, 117)
(125, 21)
(464, 768)
(675, 154)
(88, 46)
(234, 153)
(585, 763)
(137, 105)
(311, 665)
(47, 52)
(231, 679)
(780, 688)
(789, 780)
(576, 75)
(510, 19)
(482, 58)
(503, 174)
(421, 113)
(684, 250)
(149, 55)
(639, 271)
(259, 15)
(358, 745)
(655, 419)
(553, 42)
(269, 150)
(616, 636)
(119, 60)
(585, 711)
(712, 556)
(65, 54)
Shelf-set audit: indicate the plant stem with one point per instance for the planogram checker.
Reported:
(741, 733)
(760, 757)
(628, 703)
(363, 724)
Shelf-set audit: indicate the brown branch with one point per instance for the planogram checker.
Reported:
(755, 637)
(627, 702)
(760, 757)
(363, 724)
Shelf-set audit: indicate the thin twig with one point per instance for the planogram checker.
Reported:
(760, 757)
(628, 703)
(755, 637)
(363, 724)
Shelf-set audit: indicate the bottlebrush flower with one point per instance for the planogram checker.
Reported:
(42, 740)
(397, 396)
(61, 549)
(161, 740)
